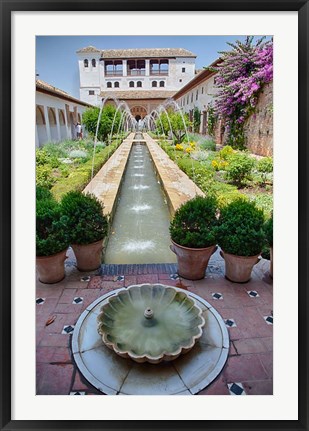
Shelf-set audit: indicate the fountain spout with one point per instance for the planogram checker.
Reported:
(148, 313)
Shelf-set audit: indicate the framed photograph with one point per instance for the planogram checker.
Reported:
(23, 405)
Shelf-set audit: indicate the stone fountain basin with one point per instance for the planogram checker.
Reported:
(150, 323)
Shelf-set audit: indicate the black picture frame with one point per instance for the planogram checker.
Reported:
(7, 7)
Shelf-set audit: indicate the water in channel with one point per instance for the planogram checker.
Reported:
(140, 230)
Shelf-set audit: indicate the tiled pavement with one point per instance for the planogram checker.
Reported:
(246, 309)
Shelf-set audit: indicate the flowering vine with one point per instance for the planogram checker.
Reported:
(241, 75)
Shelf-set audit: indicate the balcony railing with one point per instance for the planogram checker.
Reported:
(159, 72)
(113, 72)
(136, 72)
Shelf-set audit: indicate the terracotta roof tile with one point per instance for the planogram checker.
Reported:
(57, 92)
(146, 52)
(89, 49)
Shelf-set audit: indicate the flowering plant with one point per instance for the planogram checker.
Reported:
(240, 76)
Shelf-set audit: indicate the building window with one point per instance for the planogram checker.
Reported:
(113, 68)
(183, 70)
(162, 83)
(202, 90)
(116, 84)
(159, 67)
(139, 84)
(91, 92)
(154, 84)
(109, 85)
(85, 63)
(196, 97)
(187, 99)
(136, 67)
(191, 97)
(180, 80)
(131, 84)
(93, 62)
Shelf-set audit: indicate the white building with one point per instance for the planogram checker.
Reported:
(56, 114)
(198, 93)
(158, 72)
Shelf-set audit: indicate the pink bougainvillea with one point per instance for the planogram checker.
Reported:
(240, 76)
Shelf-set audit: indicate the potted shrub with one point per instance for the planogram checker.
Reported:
(268, 228)
(241, 237)
(87, 227)
(51, 241)
(193, 235)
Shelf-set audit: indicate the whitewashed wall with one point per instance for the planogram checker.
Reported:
(58, 122)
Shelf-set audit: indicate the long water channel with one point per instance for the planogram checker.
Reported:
(140, 229)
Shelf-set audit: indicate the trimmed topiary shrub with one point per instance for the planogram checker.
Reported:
(241, 228)
(86, 221)
(194, 223)
(51, 228)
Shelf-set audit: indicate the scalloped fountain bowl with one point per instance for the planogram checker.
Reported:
(150, 323)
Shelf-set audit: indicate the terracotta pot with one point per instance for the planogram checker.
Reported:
(192, 262)
(238, 268)
(271, 262)
(51, 268)
(88, 256)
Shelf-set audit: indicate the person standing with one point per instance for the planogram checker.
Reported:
(79, 131)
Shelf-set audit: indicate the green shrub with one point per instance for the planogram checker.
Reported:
(51, 228)
(43, 193)
(194, 223)
(240, 230)
(44, 176)
(265, 166)
(239, 168)
(268, 229)
(86, 221)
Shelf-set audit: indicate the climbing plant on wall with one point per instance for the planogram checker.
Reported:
(196, 120)
(243, 72)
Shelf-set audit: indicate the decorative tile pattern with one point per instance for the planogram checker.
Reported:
(253, 293)
(236, 389)
(85, 278)
(40, 301)
(230, 323)
(78, 393)
(174, 276)
(119, 278)
(269, 320)
(78, 300)
(217, 295)
(68, 329)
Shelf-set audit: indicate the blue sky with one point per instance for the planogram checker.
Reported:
(56, 59)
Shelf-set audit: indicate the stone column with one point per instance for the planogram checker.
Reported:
(47, 123)
(58, 124)
(124, 68)
(147, 68)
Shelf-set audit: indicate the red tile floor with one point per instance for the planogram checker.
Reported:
(246, 309)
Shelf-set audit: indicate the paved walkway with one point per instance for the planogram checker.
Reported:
(246, 309)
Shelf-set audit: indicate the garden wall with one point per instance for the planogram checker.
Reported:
(259, 126)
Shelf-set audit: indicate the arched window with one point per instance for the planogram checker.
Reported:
(40, 119)
(51, 116)
(116, 84)
(109, 85)
(131, 84)
(139, 84)
(162, 83)
(154, 83)
(93, 62)
(61, 117)
(85, 62)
